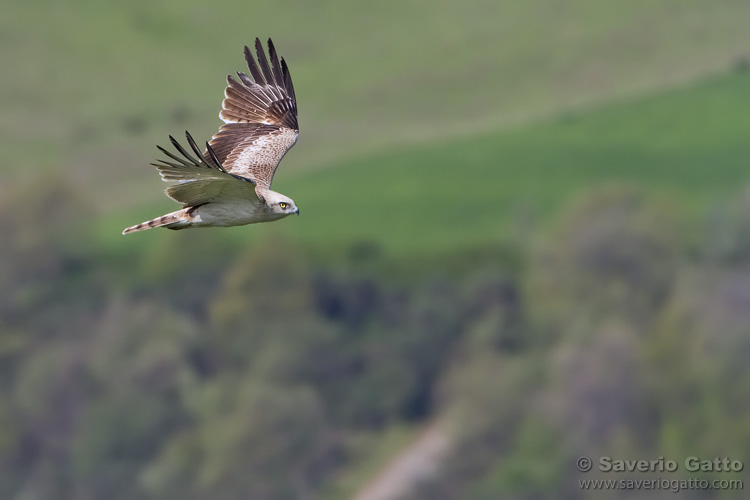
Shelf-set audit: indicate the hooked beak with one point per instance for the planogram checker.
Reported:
(296, 210)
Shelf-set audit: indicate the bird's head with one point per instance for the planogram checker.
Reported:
(279, 204)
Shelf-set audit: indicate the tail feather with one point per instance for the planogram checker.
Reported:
(175, 220)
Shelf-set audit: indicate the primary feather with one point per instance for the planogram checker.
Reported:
(229, 183)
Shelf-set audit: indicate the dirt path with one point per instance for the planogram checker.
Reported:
(419, 461)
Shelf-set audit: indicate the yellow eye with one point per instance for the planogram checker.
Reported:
(283, 204)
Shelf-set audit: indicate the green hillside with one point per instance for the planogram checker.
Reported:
(525, 220)
(689, 144)
(94, 85)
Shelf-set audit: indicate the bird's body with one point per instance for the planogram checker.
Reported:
(229, 183)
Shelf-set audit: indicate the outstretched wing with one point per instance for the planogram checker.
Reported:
(200, 179)
(260, 115)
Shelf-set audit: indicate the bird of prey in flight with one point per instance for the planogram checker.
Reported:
(229, 183)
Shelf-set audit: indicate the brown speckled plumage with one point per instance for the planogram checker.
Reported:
(229, 182)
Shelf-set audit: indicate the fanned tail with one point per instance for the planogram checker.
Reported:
(175, 220)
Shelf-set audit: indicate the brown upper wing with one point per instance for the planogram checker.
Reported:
(200, 177)
(260, 115)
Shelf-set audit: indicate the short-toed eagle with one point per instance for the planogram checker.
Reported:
(229, 184)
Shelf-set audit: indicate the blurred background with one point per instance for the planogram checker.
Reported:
(525, 238)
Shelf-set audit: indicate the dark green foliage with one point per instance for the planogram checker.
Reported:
(204, 364)
(641, 354)
(614, 334)
(211, 371)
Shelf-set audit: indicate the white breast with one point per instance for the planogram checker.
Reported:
(234, 213)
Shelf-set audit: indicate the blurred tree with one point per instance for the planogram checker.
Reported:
(254, 440)
(698, 365)
(613, 255)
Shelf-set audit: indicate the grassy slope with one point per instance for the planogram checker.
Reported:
(690, 144)
(112, 68)
(96, 84)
